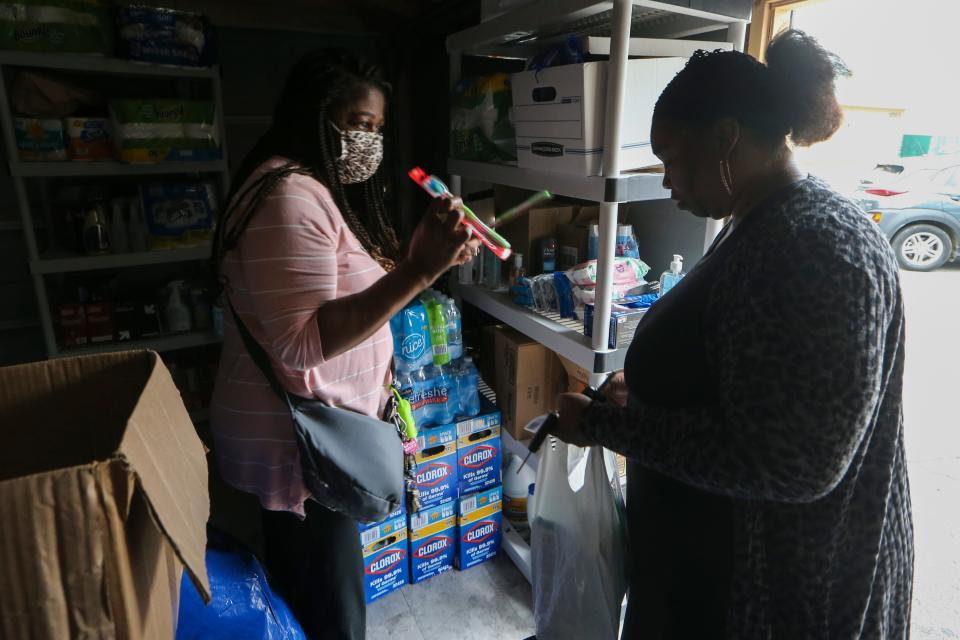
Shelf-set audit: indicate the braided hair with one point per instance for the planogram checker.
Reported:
(302, 132)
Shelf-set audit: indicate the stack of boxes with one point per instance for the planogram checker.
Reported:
(459, 522)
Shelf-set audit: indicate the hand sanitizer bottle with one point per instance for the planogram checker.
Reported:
(670, 278)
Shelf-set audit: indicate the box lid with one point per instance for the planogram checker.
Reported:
(121, 408)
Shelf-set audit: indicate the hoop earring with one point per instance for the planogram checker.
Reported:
(726, 177)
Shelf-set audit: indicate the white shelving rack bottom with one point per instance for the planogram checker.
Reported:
(170, 342)
(563, 336)
(517, 550)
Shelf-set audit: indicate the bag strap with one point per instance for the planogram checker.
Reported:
(258, 355)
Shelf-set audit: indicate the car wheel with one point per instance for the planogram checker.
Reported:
(922, 247)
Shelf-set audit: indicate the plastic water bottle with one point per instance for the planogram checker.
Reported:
(454, 328)
(626, 242)
(404, 382)
(411, 337)
(593, 241)
(442, 392)
(420, 397)
(468, 393)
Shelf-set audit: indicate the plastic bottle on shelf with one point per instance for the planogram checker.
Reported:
(593, 241)
(516, 270)
(468, 393)
(516, 492)
(627, 242)
(443, 400)
(178, 313)
(454, 328)
(421, 387)
(137, 227)
(118, 227)
(670, 278)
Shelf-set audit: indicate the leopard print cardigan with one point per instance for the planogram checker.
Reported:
(804, 334)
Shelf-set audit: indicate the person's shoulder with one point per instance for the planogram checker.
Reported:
(300, 191)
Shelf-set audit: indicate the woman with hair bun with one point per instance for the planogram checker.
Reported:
(761, 401)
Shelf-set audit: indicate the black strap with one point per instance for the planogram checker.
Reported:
(258, 355)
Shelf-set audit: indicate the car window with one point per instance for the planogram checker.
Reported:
(946, 178)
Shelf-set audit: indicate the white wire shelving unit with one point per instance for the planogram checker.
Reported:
(53, 262)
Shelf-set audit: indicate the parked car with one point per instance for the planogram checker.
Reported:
(916, 202)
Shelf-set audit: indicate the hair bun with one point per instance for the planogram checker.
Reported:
(803, 76)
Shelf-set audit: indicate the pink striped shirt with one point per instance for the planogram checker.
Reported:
(296, 254)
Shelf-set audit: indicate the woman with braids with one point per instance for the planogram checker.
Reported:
(309, 259)
(760, 404)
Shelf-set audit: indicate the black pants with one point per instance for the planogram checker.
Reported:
(317, 565)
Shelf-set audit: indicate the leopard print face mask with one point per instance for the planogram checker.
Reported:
(360, 154)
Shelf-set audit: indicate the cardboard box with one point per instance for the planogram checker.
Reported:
(73, 325)
(479, 523)
(433, 541)
(400, 511)
(559, 111)
(437, 478)
(103, 499)
(577, 377)
(623, 324)
(385, 549)
(528, 379)
(525, 233)
(479, 456)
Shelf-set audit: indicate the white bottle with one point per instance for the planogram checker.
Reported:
(118, 227)
(178, 313)
(670, 278)
(516, 489)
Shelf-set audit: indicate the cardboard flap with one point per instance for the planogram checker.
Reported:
(167, 457)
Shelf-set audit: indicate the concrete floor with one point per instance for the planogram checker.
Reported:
(932, 428)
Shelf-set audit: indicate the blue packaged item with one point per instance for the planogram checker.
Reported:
(164, 36)
(179, 214)
(479, 522)
(441, 399)
(626, 242)
(479, 455)
(385, 566)
(468, 393)
(411, 337)
(437, 476)
(623, 324)
(421, 392)
(242, 604)
(401, 510)
(454, 329)
(433, 541)
(565, 302)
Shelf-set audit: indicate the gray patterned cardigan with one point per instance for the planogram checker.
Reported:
(784, 418)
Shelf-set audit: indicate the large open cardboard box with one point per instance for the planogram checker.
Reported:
(103, 499)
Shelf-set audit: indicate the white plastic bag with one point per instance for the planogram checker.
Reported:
(577, 544)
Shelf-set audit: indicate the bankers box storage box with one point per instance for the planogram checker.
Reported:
(103, 499)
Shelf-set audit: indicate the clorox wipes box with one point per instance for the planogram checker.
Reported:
(433, 541)
(478, 450)
(385, 552)
(478, 527)
(437, 465)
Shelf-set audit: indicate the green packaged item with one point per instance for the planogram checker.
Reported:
(438, 331)
(480, 126)
(165, 130)
(40, 140)
(64, 26)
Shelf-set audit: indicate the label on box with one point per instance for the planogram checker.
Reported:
(479, 460)
(385, 548)
(401, 510)
(99, 321)
(433, 541)
(479, 527)
(436, 477)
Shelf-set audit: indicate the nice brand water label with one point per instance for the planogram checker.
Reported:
(478, 527)
(385, 557)
(479, 455)
(433, 541)
(437, 479)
